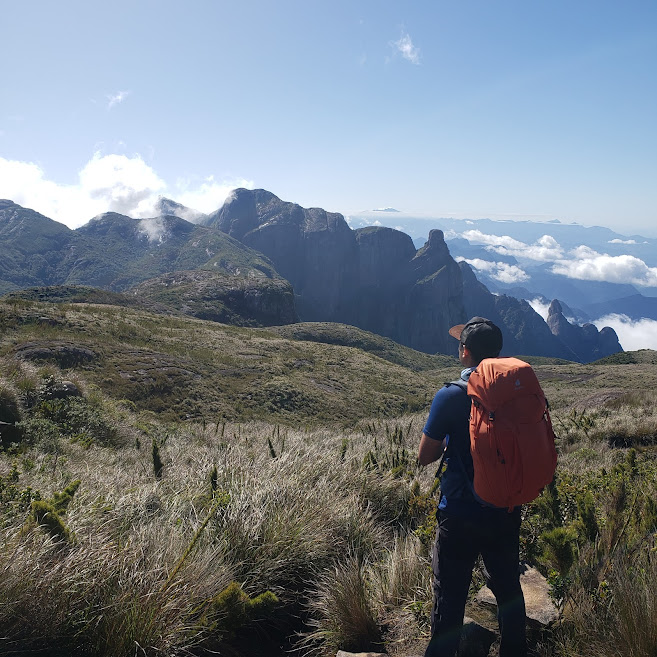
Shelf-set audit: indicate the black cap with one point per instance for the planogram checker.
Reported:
(479, 335)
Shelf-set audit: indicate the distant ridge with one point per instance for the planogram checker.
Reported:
(259, 260)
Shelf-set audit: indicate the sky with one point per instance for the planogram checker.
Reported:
(476, 108)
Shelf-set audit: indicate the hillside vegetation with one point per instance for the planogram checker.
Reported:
(174, 486)
(183, 368)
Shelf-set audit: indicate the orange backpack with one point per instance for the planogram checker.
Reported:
(511, 436)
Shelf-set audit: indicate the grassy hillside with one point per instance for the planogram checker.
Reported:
(183, 368)
(179, 487)
(352, 336)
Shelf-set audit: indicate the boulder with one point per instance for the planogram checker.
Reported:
(62, 353)
(538, 605)
(476, 640)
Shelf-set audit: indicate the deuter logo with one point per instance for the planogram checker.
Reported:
(518, 384)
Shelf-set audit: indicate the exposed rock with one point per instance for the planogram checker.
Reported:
(523, 329)
(243, 301)
(10, 414)
(63, 389)
(476, 640)
(372, 278)
(314, 249)
(538, 604)
(586, 341)
(166, 206)
(64, 354)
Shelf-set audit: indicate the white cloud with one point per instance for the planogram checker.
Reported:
(589, 265)
(545, 249)
(633, 335)
(117, 98)
(123, 184)
(540, 307)
(404, 45)
(499, 271)
(107, 183)
(153, 228)
(210, 195)
(617, 241)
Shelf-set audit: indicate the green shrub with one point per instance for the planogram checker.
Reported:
(45, 515)
(78, 419)
(558, 548)
(42, 433)
(232, 609)
(62, 500)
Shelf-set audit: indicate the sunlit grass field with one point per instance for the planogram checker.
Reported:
(247, 492)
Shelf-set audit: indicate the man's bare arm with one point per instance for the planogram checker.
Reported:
(430, 450)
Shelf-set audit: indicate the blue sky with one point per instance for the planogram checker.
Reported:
(528, 109)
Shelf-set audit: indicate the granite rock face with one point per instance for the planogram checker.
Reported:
(523, 328)
(525, 331)
(589, 343)
(313, 249)
(372, 278)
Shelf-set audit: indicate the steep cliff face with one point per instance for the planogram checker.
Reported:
(372, 278)
(314, 249)
(434, 302)
(589, 343)
(523, 328)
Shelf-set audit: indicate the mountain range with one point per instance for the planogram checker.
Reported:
(519, 257)
(259, 260)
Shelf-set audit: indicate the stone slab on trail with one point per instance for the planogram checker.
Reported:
(538, 604)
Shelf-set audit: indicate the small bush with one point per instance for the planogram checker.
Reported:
(232, 609)
(45, 515)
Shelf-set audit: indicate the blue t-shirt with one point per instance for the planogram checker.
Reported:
(449, 419)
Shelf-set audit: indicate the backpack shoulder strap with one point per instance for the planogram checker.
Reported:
(460, 383)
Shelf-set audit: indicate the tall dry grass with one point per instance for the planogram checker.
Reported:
(255, 535)
(148, 557)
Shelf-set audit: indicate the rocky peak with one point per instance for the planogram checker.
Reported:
(372, 278)
(246, 211)
(523, 328)
(555, 308)
(165, 206)
(433, 255)
(586, 341)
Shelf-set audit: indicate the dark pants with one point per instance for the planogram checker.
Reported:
(458, 544)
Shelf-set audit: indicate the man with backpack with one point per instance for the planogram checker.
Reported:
(467, 525)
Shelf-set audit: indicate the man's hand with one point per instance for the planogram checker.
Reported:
(430, 450)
